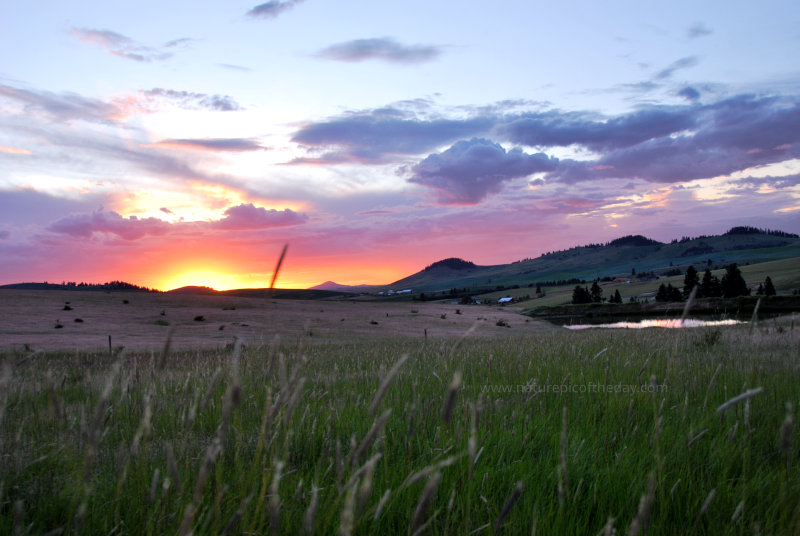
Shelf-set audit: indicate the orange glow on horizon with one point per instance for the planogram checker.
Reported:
(295, 274)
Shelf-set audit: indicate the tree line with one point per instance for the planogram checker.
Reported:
(731, 285)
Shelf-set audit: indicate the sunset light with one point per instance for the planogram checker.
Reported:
(189, 152)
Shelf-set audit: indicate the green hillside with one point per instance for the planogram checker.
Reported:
(617, 259)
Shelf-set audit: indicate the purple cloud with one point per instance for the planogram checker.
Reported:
(728, 136)
(469, 171)
(378, 135)
(131, 228)
(557, 129)
(5, 235)
(61, 106)
(249, 216)
(271, 9)
(689, 93)
(383, 48)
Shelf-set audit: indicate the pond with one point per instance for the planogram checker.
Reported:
(659, 323)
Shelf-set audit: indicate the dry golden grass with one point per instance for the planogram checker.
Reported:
(29, 317)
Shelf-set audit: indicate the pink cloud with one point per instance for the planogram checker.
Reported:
(131, 228)
(249, 216)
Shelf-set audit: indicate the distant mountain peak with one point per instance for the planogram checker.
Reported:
(453, 263)
(333, 286)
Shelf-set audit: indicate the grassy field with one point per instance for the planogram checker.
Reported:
(520, 430)
(785, 275)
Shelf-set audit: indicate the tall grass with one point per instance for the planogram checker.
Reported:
(401, 436)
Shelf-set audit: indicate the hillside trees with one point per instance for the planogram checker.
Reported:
(769, 288)
(733, 284)
(596, 292)
(581, 295)
(668, 293)
(690, 280)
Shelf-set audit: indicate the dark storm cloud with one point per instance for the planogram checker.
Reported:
(271, 9)
(469, 171)
(383, 48)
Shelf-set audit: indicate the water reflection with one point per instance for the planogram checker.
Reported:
(659, 323)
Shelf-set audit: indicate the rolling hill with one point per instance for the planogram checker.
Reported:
(618, 258)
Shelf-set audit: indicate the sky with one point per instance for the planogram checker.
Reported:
(175, 143)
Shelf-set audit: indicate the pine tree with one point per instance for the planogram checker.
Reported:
(674, 293)
(596, 292)
(581, 295)
(710, 287)
(690, 280)
(769, 288)
(661, 295)
(733, 284)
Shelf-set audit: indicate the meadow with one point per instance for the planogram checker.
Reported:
(318, 425)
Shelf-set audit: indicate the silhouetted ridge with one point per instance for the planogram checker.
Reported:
(634, 240)
(746, 229)
(453, 263)
(73, 285)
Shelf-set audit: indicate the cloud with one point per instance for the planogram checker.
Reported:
(375, 136)
(211, 144)
(26, 206)
(469, 171)
(730, 135)
(233, 67)
(131, 228)
(384, 49)
(682, 63)
(271, 9)
(5, 235)
(13, 150)
(61, 106)
(558, 129)
(193, 100)
(777, 183)
(689, 93)
(698, 29)
(124, 47)
(249, 216)
(235, 218)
